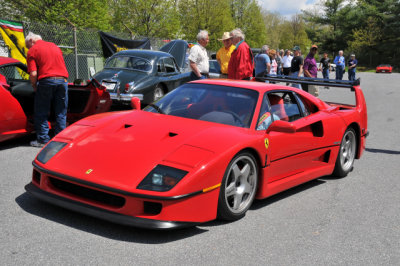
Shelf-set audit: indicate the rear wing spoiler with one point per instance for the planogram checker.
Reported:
(311, 81)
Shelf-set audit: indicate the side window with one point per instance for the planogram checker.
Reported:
(306, 107)
(291, 108)
(12, 73)
(169, 65)
(265, 117)
(285, 106)
(160, 66)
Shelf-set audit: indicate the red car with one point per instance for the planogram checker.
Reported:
(205, 150)
(17, 98)
(384, 68)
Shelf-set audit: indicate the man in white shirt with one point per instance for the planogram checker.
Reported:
(198, 57)
(287, 63)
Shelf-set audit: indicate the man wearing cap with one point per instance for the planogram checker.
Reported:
(198, 57)
(352, 67)
(241, 63)
(48, 75)
(339, 61)
(311, 70)
(296, 69)
(224, 54)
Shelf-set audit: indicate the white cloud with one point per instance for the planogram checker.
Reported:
(286, 8)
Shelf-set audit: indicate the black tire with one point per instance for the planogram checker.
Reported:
(238, 187)
(347, 154)
(158, 92)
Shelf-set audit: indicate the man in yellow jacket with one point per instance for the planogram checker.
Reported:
(224, 54)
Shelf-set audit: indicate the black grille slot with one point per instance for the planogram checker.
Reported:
(152, 208)
(36, 176)
(87, 193)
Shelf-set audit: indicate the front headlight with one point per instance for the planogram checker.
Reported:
(162, 178)
(50, 150)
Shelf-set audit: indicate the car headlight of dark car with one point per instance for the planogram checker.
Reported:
(162, 178)
(50, 150)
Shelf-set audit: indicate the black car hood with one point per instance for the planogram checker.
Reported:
(178, 49)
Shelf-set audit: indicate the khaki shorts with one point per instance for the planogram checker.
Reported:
(313, 90)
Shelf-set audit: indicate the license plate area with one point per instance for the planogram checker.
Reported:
(110, 86)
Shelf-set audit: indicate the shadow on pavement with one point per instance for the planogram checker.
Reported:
(100, 227)
(382, 151)
(258, 204)
(18, 142)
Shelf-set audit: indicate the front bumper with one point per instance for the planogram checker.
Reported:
(104, 214)
(125, 97)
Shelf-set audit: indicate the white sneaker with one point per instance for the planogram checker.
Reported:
(37, 144)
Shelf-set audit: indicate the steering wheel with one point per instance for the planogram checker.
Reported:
(235, 116)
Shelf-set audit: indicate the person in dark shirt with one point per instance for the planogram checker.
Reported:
(311, 70)
(352, 67)
(325, 64)
(296, 69)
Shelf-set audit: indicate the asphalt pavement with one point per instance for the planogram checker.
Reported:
(328, 221)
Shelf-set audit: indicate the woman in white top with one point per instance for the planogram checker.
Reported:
(274, 64)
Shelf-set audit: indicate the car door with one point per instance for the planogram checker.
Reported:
(85, 100)
(171, 75)
(13, 121)
(289, 153)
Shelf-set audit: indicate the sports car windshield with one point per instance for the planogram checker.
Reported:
(129, 62)
(214, 103)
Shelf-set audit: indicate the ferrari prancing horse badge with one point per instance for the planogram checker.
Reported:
(266, 142)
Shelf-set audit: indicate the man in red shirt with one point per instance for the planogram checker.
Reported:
(241, 63)
(48, 75)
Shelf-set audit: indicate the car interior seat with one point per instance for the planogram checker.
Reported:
(278, 107)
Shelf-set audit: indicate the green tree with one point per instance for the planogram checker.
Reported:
(275, 30)
(248, 16)
(82, 13)
(150, 18)
(366, 39)
(211, 15)
(331, 22)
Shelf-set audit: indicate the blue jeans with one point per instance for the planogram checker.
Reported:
(50, 92)
(339, 72)
(352, 74)
(295, 75)
(325, 73)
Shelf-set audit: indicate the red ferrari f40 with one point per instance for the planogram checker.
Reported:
(204, 151)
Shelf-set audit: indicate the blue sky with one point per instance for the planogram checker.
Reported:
(286, 7)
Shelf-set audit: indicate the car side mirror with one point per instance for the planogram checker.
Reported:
(281, 126)
(135, 103)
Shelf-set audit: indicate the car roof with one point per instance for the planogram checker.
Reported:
(258, 86)
(148, 54)
(8, 60)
